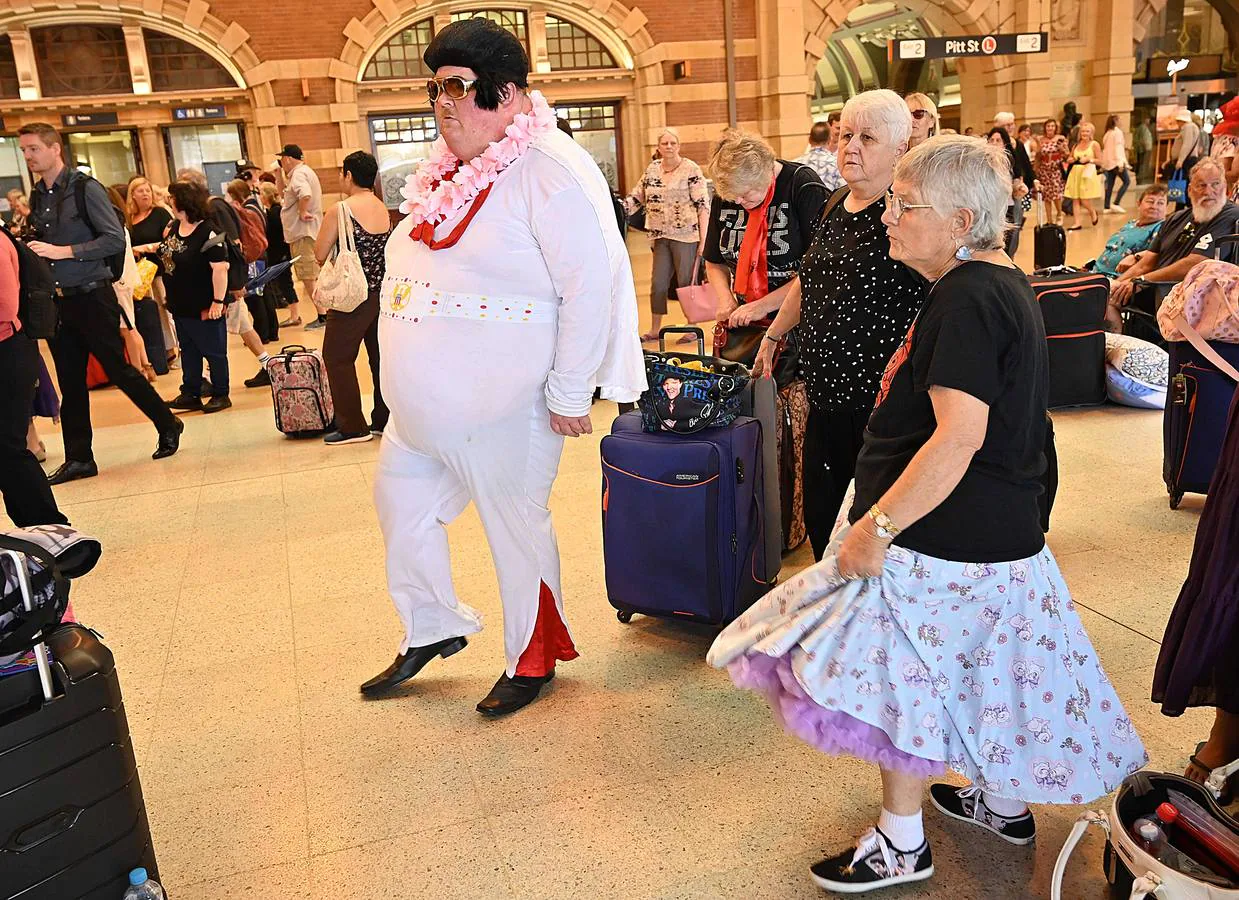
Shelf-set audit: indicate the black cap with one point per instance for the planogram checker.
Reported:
(291, 150)
(244, 165)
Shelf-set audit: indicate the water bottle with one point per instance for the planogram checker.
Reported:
(143, 888)
(1149, 835)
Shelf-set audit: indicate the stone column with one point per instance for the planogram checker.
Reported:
(782, 85)
(154, 155)
(1113, 63)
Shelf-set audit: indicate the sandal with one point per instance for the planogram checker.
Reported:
(1075, 227)
(1228, 790)
(291, 323)
(649, 336)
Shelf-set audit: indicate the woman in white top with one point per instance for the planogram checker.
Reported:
(1114, 163)
(677, 216)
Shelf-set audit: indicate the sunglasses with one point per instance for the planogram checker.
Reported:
(919, 114)
(453, 86)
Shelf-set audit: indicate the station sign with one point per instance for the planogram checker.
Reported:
(184, 113)
(969, 45)
(87, 120)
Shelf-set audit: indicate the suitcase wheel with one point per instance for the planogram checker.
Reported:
(1175, 500)
(624, 616)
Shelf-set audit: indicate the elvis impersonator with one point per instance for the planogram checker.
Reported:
(508, 298)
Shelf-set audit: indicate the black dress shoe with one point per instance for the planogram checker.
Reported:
(215, 404)
(169, 441)
(262, 379)
(72, 470)
(186, 403)
(409, 663)
(510, 694)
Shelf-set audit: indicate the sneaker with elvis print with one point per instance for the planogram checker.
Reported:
(968, 805)
(874, 864)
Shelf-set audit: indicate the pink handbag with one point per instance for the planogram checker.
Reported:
(696, 299)
(1204, 307)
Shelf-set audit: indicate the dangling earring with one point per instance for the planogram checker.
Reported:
(962, 251)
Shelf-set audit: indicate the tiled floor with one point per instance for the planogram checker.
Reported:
(242, 591)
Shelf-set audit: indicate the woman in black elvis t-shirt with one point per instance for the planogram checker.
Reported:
(196, 283)
(762, 220)
(937, 632)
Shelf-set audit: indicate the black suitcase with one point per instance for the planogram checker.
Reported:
(72, 820)
(1049, 241)
(150, 328)
(1194, 424)
(1073, 307)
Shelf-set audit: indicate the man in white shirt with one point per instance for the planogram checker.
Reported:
(301, 214)
(820, 157)
(507, 299)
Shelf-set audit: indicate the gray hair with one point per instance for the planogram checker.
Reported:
(1207, 162)
(1004, 118)
(882, 111)
(953, 172)
(193, 176)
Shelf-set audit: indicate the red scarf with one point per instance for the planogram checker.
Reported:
(425, 232)
(751, 272)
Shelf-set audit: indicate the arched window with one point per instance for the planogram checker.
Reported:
(570, 46)
(81, 59)
(178, 65)
(401, 57)
(514, 20)
(8, 69)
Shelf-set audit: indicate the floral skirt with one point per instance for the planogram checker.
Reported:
(982, 667)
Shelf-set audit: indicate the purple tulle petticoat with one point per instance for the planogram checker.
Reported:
(830, 731)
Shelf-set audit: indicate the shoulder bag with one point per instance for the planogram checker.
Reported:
(341, 281)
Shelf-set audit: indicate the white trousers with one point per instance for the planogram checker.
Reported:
(506, 469)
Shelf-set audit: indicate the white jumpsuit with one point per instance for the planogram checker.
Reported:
(530, 310)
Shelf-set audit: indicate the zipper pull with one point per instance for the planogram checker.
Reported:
(733, 543)
(739, 471)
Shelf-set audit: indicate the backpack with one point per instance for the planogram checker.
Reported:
(36, 304)
(238, 268)
(115, 262)
(253, 234)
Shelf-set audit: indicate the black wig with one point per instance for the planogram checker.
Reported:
(492, 52)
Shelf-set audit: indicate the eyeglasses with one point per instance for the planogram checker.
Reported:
(898, 206)
(919, 114)
(453, 85)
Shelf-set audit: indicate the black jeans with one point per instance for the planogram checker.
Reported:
(266, 320)
(345, 334)
(832, 441)
(27, 496)
(203, 339)
(1113, 175)
(90, 323)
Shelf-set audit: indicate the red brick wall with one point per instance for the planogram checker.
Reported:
(705, 71)
(287, 30)
(288, 92)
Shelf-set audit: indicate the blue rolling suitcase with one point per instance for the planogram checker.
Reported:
(1194, 424)
(684, 521)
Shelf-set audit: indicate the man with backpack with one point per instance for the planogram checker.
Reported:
(76, 230)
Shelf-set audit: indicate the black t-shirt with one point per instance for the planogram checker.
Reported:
(792, 215)
(187, 270)
(1181, 236)
(277, 248)
(981, 333)
(856, 304)
(150, 231)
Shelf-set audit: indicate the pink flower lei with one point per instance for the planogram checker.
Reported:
(430, 195)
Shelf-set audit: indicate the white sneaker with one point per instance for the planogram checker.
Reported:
(1116, 209)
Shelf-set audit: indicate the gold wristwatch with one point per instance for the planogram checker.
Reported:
(882, 524)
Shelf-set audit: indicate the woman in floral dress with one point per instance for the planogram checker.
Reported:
(937, 631)
(1052, 150)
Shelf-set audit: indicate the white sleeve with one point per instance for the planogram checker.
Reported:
(572, 244)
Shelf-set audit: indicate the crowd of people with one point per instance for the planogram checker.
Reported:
(933, 632)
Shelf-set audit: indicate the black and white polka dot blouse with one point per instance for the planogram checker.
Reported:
(856, 306)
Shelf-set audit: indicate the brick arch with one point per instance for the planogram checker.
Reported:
(225, 42)
(823, 17)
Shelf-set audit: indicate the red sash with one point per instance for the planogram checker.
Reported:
(751, 271)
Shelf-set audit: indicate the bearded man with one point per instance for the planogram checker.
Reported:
(508, 299)
(1188, 237)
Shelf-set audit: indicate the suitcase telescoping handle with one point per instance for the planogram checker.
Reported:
(40, 649)
(682, 329)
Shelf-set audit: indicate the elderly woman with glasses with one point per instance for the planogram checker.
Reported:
(853, 304)
(924, 118)
(938, 631)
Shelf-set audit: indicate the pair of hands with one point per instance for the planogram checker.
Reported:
(1121, 292)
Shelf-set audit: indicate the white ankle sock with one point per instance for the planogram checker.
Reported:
(262, 360)
(905, 833)
(1008, 809)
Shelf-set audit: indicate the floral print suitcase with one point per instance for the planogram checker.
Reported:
(300, 391)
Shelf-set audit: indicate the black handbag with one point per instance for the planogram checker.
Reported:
(636, 219)
(740, 344)
(685, 398)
